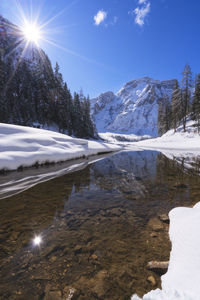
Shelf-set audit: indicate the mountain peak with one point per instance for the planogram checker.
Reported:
(148, 80)
(134, 109)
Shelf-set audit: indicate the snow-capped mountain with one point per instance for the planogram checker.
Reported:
(134, 109)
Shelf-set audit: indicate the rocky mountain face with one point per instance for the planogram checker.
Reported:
(134, 109)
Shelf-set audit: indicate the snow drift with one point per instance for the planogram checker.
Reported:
(122, 138)
(182, 278)
(25, 146)
(180, 140)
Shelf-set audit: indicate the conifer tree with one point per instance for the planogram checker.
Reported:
(32, 92)
(186, 93)
(196, 102)
(89, 125)
(3, 110)
(77, 117)
(176, 106)
(69, 109)
(164, 115)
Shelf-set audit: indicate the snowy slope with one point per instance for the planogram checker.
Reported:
(25, 146)
(134, 109)
(183, 276)
(123, 139)
(182, 141)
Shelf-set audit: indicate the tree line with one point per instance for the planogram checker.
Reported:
(33, 93)
(184, 104)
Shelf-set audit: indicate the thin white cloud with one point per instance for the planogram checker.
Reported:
(142, 1)
(115, 19)
(100, 17)
(142, 12)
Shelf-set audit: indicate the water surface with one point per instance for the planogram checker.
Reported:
(99, 226)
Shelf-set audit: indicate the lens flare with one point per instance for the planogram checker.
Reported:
(31, 32)
(37, 240)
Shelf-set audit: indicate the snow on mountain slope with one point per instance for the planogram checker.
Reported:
(134, 109)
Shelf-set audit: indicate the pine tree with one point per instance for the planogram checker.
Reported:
(168, 114)
(69, 109)
(90, 129)
(77, 119)
(175, 106)
(186, 93)
(3, 109)
(164, 115)
(196, 102)
(161, 115)
(64, 115)
(31, 91)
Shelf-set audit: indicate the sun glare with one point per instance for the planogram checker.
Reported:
(37, 240)
(31, 32)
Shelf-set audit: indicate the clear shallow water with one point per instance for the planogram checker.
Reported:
(97, 227)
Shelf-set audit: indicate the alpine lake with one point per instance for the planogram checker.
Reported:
(98, 226)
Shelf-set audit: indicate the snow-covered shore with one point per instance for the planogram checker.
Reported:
(180, 140)
(122, 139)
(181, 282)
(26, 146)
(182, 278)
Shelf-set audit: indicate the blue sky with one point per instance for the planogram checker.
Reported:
(130, 39)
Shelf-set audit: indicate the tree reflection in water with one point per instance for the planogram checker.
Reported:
(100, 226)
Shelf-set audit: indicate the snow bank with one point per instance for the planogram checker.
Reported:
(25, 146)
(122, 138)
(189, 141)
(183, 276)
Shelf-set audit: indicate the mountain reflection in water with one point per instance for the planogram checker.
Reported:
(96, 227)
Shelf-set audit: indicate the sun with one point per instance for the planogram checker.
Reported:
(37, 240)
(31, 32)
